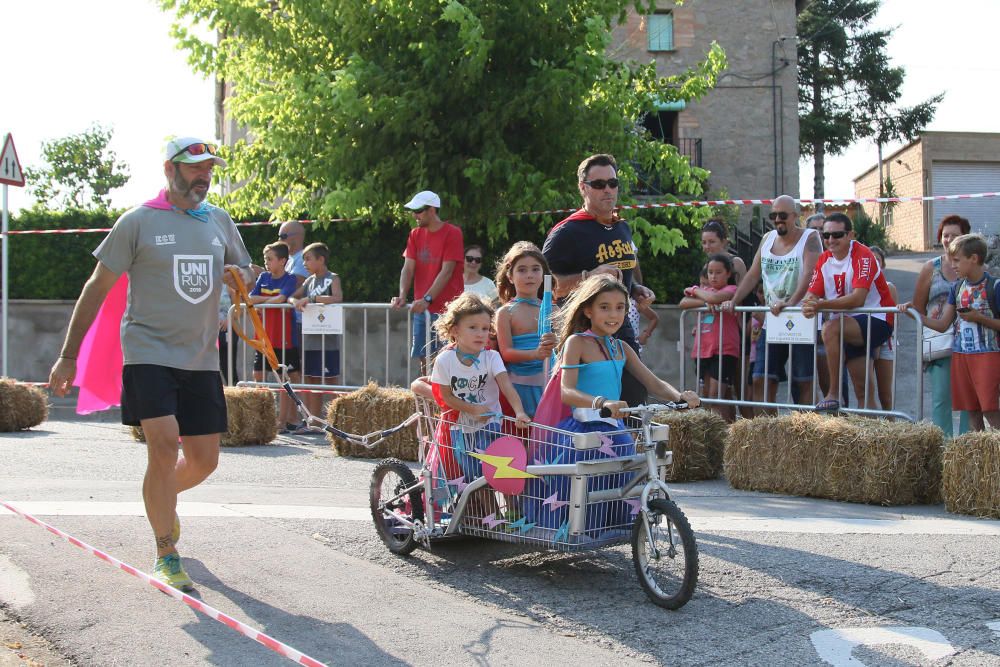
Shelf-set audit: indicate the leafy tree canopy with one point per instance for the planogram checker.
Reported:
(80, 171)
(354, 106)
(847, 87)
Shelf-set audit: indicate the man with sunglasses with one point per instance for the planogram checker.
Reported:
(434, 252)
(784, 263)
(177, 250)
(848, 276)
(594, 240)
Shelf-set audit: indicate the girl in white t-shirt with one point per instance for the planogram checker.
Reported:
(469, 379)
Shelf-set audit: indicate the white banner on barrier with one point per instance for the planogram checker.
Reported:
(786, 327)
(318, 318)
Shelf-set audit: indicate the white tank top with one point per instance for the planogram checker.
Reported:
(780, 273)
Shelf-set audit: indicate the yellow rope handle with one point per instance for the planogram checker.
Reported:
(260, 341)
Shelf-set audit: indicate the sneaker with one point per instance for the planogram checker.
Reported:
(290, 428)
(176, 534)
(168, 569)
(303, 429)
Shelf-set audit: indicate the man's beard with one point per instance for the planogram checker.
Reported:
(186, 189)
(781, 230)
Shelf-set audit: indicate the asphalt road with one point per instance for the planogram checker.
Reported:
(278, 538)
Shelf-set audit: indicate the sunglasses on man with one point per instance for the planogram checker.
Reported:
(420, 210)
(473, 260)
(778, 215)
(834, 235)
(601, 183)
(195, 150)
(283, 236)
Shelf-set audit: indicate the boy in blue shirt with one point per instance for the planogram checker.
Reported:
(275, 285)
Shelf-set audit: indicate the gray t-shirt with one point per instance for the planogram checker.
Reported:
(319, 286)
(174, 264)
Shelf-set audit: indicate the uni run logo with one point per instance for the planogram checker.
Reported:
(193, 276)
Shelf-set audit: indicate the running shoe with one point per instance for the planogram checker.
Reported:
(168, 569)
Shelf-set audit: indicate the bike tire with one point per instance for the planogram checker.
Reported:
(669, 579)
(389, 478)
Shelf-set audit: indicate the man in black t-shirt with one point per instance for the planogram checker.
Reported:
(595, 240)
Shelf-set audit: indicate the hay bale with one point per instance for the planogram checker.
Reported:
(21, 405)
(698, 440)
(369, 409)
(251, 418)
(852, 459)
(970, 480)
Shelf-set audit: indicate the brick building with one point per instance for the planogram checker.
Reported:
(746, 130)
(938, 163)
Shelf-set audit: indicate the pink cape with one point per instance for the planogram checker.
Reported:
(99, 362)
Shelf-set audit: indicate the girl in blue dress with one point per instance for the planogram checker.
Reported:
(519, 279)
(592, 361)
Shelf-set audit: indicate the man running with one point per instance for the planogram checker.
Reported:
(177, 250)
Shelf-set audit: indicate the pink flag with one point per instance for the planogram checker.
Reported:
(99, 364)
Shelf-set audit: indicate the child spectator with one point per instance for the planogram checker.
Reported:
(520, 275)
(885, 357)
(975, 352)
(322, 353)
(719, 365)
(470, 379)
(275, 285)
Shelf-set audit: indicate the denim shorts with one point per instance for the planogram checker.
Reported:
(419, 336)
(803, 356)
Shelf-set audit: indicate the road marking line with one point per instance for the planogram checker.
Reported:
(811, 525)
(835, 646)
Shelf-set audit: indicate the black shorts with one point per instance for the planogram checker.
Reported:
(195, 398)
(730, 369)
(290, 357)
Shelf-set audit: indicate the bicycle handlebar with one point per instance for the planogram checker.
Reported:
(650, 408)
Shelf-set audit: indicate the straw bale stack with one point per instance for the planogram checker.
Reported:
(842, 458)
(970, 482)
(698, 440)
(21, 405)
(251, 418)
(369, 409)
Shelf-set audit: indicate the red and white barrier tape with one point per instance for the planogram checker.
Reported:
(754, 202)
(240, 627)
(679, 204)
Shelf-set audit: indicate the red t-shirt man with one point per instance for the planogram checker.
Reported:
(429, 250)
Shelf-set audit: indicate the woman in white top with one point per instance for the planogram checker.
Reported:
(473, 281)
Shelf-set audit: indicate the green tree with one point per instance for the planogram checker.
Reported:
(80, 171)
(354, 106)
(847, 86)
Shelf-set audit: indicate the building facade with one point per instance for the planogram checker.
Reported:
(746, 130)
(937, 163)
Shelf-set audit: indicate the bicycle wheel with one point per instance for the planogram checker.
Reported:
(667, 568)
(390, 477)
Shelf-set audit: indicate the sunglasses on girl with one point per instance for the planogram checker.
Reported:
(834, 235)
(778, 215)
(198, 149)
(473, 260)
(601, 183)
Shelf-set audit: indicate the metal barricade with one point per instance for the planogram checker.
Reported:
(362, 347)
(746, 312)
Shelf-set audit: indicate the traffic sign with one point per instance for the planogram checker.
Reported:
(10, 166)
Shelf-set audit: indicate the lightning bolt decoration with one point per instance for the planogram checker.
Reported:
(522, 525)
(606, 446)
(502, 464)
(563, 533)
(458, 483)
(492, 521)
(635, 504)
(554, 503)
